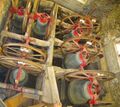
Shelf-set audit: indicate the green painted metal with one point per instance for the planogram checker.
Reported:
(77, 92)
(39, 29)
(72, 61)
(23, 78)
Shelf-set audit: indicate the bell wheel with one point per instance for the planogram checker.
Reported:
(24, 51)
(29, 66)
(99, 75)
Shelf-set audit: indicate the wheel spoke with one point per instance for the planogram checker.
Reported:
(37, 59)
(36, 55)
(76, 43)
(13, 62)
(13, 49)
(11, 53)
(71, 20)
(76, 77)
(22, 50)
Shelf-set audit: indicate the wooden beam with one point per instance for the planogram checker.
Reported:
(38, 105)
(19, 89)
(58, 42)
(33, 41)
(2, 104)
(50, 91)
(52, 35)
(75, 5)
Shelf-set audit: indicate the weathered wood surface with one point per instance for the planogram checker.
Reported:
(50, 91)
(33, 41)
(2, 104)
(111, 56)
(75, 5)
(113, 66)
(52, 35)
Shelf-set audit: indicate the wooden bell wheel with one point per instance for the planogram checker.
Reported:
(24, 51)
(29, 66)
(90, 48)
(83, 24)
(103, 103)
(96, 25)
(26, 15)
(99, 75)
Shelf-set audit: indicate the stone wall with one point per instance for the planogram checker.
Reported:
(111, 30)
(111, 22)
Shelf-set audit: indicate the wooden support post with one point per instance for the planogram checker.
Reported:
(113, 66)
(50, 91)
